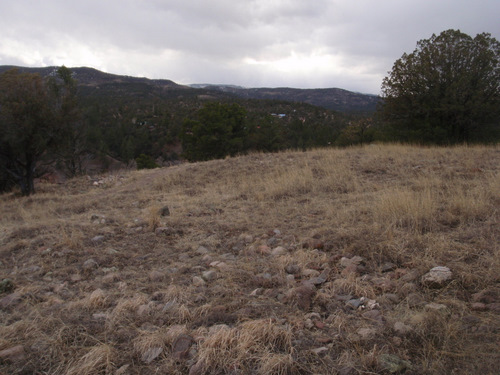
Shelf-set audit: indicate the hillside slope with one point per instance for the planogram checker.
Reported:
(290, 263)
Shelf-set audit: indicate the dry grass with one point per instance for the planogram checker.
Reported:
(98, 291)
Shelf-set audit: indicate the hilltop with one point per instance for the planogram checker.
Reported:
(375, 259)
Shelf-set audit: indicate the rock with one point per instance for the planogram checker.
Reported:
(198, 281)
(313, 243)
(374, 316)
(366, 333)
(156, 275)
(414, 300)
(293, 269)
(353, 303)
(122, 370)
(277, 251)
(479, 306)
(14, 354)
(202, 250)
(356, 260)
(290, 278)
(164, 211)
(437, 277)
(198, 368)
(308, 272)
(97, 240)
(209, 275)
(10, 300)
(320, 351)
(387, 267)
(393, 364)
(402, 329)
(263, 250)
(6, 286)
(90, 264)
(181, 346)
(151, 354)
(436, 307)
(257, 292)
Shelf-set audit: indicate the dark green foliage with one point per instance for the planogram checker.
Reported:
(219, 131)
(447, 91)
(145, 162)
(30, 124)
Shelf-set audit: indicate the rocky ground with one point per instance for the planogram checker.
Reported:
(372, 260)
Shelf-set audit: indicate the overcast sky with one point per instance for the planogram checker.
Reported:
(350, 44)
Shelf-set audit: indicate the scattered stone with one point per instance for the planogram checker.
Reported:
(202, 250)
(320, 351)
(353, 303)
(164, 211)
(97, 240)
(198, 281)
(374, 316)
(75, 277)
(383, 284)
(387, 267)
(263, 250)
(10, 300)
(366, 333)
(99, 316)
(14, 354)
(402, 329)
(436, 307)
(277, 251)
(309, 272)
(393, 364)
(209, 275)
(356, 260)
(6, 286)
(293, 269)
(479, 306)
(369, 304)
(257, 292)
(156, 275)
(151, 354)
(98, 219)
(290, 278)
(437, 277)
(90, 264)
(181, 346)
(122, 370)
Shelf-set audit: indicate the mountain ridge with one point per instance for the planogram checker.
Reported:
(330, 98)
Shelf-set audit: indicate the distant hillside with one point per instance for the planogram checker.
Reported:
(331, 98)
(91, 79)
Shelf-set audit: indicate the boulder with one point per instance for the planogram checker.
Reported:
(437, 277)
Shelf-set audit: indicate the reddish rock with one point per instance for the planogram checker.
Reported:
(479, 306)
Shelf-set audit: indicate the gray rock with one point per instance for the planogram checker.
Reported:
(353, 303)
(97, 240)
(366, 333)
(198, 281)
(293, 269)
(437, 277)
(90, 264)
(209, 275)
(167, 231)
(151, 354)
(280, 250)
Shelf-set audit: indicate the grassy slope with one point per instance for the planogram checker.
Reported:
(415, 207)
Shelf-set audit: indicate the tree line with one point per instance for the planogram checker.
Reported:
(446, 91)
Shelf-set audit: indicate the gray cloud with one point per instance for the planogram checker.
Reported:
(321, 43)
